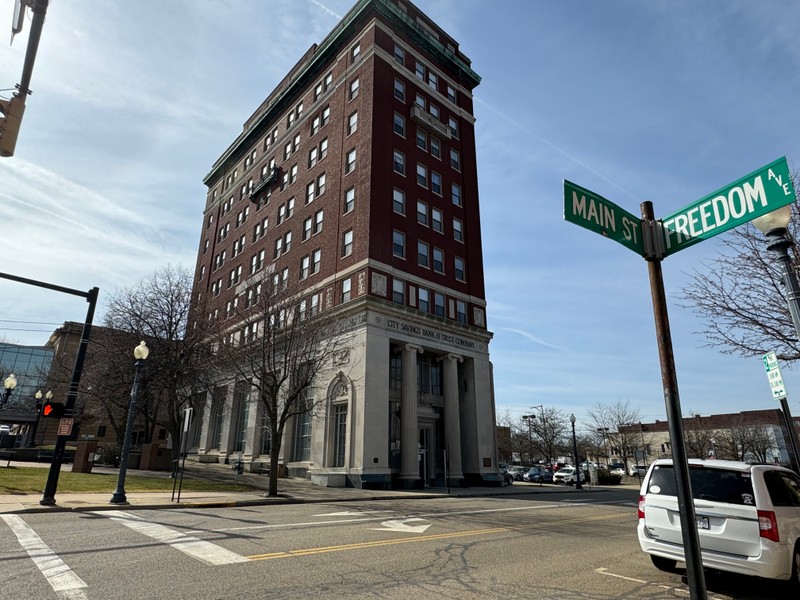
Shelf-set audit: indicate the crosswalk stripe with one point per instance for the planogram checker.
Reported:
(205, 552)
(60, 577)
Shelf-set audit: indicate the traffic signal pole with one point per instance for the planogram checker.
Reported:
(48, 497)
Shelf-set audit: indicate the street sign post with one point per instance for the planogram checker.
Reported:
(774, 375)
(587, 209)
(756, 194)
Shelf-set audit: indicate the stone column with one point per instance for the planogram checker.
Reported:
(205, 424)
(452, 416)
(409, 430)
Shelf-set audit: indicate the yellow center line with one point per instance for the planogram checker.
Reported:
(417, 538)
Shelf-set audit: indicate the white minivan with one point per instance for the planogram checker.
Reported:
(748, 517)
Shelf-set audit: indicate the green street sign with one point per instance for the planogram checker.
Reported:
(585, 208)
(753, 195)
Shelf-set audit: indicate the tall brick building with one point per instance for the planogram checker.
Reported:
(357, 178)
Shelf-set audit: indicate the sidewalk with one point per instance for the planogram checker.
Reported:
(291, 490)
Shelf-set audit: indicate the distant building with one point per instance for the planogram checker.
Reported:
(753, 435)
(357, 177)
(31, 366)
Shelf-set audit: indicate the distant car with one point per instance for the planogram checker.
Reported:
(508, 478)
(567, 475)
(518, 472)
(748, 518)
(639, 470)
(538, 475)
(618, 470)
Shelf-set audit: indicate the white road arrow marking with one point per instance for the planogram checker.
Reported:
(403, 526)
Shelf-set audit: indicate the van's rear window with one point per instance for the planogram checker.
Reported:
(716, 485)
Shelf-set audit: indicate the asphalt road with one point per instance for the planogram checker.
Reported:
(555, 547)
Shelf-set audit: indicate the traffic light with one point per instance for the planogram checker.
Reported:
(53, 409)
(11, 112)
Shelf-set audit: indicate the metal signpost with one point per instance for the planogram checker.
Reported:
(756, 194)
(779, 393)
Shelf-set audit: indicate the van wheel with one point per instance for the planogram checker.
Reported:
(664, 564)
(794, 582)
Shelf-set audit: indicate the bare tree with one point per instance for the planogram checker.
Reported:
(617, 421)
(157, 310)
(549, 429)
(740, 298)
(697, 439)
(277, 342)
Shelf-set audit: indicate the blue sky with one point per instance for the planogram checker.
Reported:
(661, 101)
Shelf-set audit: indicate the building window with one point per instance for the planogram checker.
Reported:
(451, 93)
(436, 220)
(461, 311)
(354, 89)
(321, 184)
(436, 148)
(438, 304)
(316, 260)
(399, 55)
(323, 148)
(355, 52)
(398, 244)
(318, 222)
(307, 228)
(438, 260)
(326, 115)
(347, 243)
(436, 183)
(398, 291)
(419, 71)
(305, 267)
(424, 302)
(422, 139)
(459, 269)
(399, 90)
(458, 230)
(346, 289)
(452, 125)
(312, 157)
(434, 110)
(352, 123)
(433, 80)
(396, 375)
(422, 213)
(350, 162)
(349, 199)
(455, 192)
(422, 175)
(455, 159)
(339, 434)
(399, 162)
(302, 437)
(423, 258)
(399, 125)
(310, 188)
(399, 201)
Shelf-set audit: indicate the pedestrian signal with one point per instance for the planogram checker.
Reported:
(53, 409)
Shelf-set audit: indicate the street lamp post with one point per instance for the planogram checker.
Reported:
(38, 395)
(774, 225)
(140, 353)
(9, 384)
(578, 485)
(528, 419)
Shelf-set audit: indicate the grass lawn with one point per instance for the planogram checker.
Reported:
(31, 480)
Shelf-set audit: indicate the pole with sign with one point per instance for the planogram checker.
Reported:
(779, 392)
(754, 195)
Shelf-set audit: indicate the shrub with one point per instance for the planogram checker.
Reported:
(108, 454)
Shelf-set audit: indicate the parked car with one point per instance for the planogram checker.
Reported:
(748, 518)
(639, 470)
(567, 475)
(518, 472)
(538, 475)
(508, 478)
(618, 470)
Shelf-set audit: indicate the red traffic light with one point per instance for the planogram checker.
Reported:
(53, 409)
